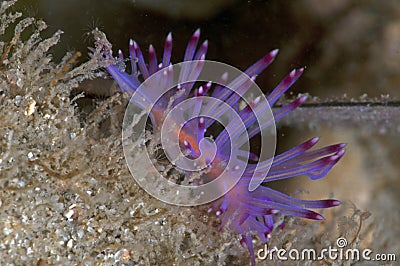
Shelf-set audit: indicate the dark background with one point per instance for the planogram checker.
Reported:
(347, 46)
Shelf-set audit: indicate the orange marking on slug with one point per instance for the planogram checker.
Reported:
(217, 166)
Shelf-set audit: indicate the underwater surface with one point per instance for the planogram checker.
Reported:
(66, 193)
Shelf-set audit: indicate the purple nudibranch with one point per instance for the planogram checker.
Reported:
(246, 213)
